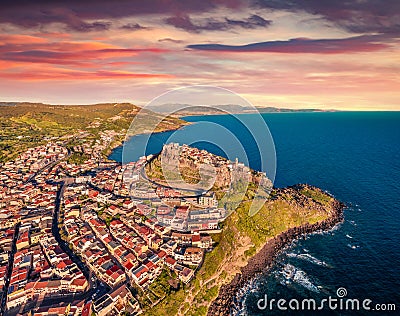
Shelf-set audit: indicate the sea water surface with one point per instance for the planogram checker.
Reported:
(356, 157)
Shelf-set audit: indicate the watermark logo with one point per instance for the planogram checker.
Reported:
(338, 303)
(341, 292)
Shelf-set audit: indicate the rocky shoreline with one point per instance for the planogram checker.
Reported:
(264, 259)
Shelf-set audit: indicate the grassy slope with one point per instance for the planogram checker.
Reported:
(27, 125)
(242, 237)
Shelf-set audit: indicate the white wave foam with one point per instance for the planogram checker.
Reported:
(309, 258)
(293, 274)
(239, 309)
(353, 246)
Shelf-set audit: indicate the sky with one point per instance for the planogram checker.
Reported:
(283, 53)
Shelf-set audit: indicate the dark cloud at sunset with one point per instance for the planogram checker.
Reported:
(334, 54)
(303, 45)
(185, 23)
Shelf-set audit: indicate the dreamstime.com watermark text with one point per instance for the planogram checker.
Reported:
(339, 303)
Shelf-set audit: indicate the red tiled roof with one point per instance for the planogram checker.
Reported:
(87, 309)
(170, 260)
(195, 238)
(116, 275)
(61, 265)
(150, 265)
(116, 222)
(79, 282)
(129, 265)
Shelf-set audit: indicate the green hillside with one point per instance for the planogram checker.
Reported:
(24, 125)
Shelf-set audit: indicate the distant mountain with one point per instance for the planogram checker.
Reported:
(9, 103)
(270, 109)
(187, 109)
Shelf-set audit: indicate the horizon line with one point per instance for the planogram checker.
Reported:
(2, 103)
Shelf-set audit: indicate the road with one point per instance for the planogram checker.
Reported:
(94, 286)
(50, 164)
(56, 231)
(196, 194)
(9, 270)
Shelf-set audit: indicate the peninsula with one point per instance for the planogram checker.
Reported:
(80, 234)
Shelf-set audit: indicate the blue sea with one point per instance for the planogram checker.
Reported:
(353, 155)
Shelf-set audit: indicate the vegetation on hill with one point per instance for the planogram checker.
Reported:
(155, 171)
(24, 125)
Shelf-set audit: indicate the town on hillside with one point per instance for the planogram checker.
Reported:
(100, 237)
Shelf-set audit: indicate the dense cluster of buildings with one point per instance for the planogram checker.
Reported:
(66, 229)
(39, 267)
(19, 197)
(36, 274)
(131, 247)
(6, 246)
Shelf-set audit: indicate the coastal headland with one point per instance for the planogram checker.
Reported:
(55, 170)
(246, 245)
(263, 260)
